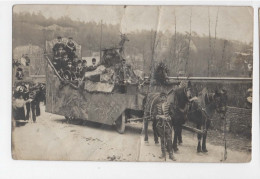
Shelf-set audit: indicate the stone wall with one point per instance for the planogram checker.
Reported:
(239, 121)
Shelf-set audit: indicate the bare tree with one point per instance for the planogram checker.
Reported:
(210, 54)
(188, 51)
(154, 43)
(214, 44)
(222, 63)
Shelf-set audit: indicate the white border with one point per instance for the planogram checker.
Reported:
(10, 168)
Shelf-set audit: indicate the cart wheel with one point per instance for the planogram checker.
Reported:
(120, 124)
(68, 119)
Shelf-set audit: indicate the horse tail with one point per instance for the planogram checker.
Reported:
(151, 100)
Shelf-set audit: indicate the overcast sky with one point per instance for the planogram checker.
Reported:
(234, 23)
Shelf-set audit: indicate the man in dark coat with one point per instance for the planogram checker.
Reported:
(178, 111)
(26, 97)
(75, 61)
(70, 48)
(35, 95)
(58, 58)
(69, 71)
(84, 64)
(58, 45)
(64, 62)
(79, 70)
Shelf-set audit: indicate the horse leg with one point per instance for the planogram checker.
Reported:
(199, 139)
(38, 110)
(33, 107)
(28, 108)
(180, 136)
(155, 133)
(174, 143)
(204, 149)
(146, 130)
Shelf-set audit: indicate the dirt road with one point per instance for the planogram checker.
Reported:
(51, 138)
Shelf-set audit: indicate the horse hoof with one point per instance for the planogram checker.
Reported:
(198, 150)
(204, 150)
(156, 142)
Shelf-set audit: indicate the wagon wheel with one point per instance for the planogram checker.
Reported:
(120, 123)
(68, 119)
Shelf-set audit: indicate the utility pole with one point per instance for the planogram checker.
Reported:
(100, 45)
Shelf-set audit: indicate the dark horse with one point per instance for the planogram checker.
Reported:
(199, 112)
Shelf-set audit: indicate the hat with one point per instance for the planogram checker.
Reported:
(79, 61)
(70, 38)
(84, 61)
(59, 37)
(19, 69)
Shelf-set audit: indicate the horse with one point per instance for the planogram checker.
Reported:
(199, 112)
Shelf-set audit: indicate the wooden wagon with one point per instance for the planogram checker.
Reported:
(64, 98)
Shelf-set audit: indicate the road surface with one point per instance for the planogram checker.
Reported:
(51, 138)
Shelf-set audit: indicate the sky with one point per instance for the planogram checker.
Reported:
(233, 23)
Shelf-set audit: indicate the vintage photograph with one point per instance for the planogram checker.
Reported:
(132, 83)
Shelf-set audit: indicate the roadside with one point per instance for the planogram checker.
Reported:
(51, 138)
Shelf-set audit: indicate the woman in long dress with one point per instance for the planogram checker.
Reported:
(18, 107)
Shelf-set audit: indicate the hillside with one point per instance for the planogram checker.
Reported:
(35, 29)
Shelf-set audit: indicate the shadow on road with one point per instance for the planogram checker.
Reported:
(20, 123)
(130, 129)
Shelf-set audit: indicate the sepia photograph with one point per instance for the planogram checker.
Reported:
(132, 83)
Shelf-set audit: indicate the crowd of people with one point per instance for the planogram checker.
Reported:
(67, 63)
(26, 99)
